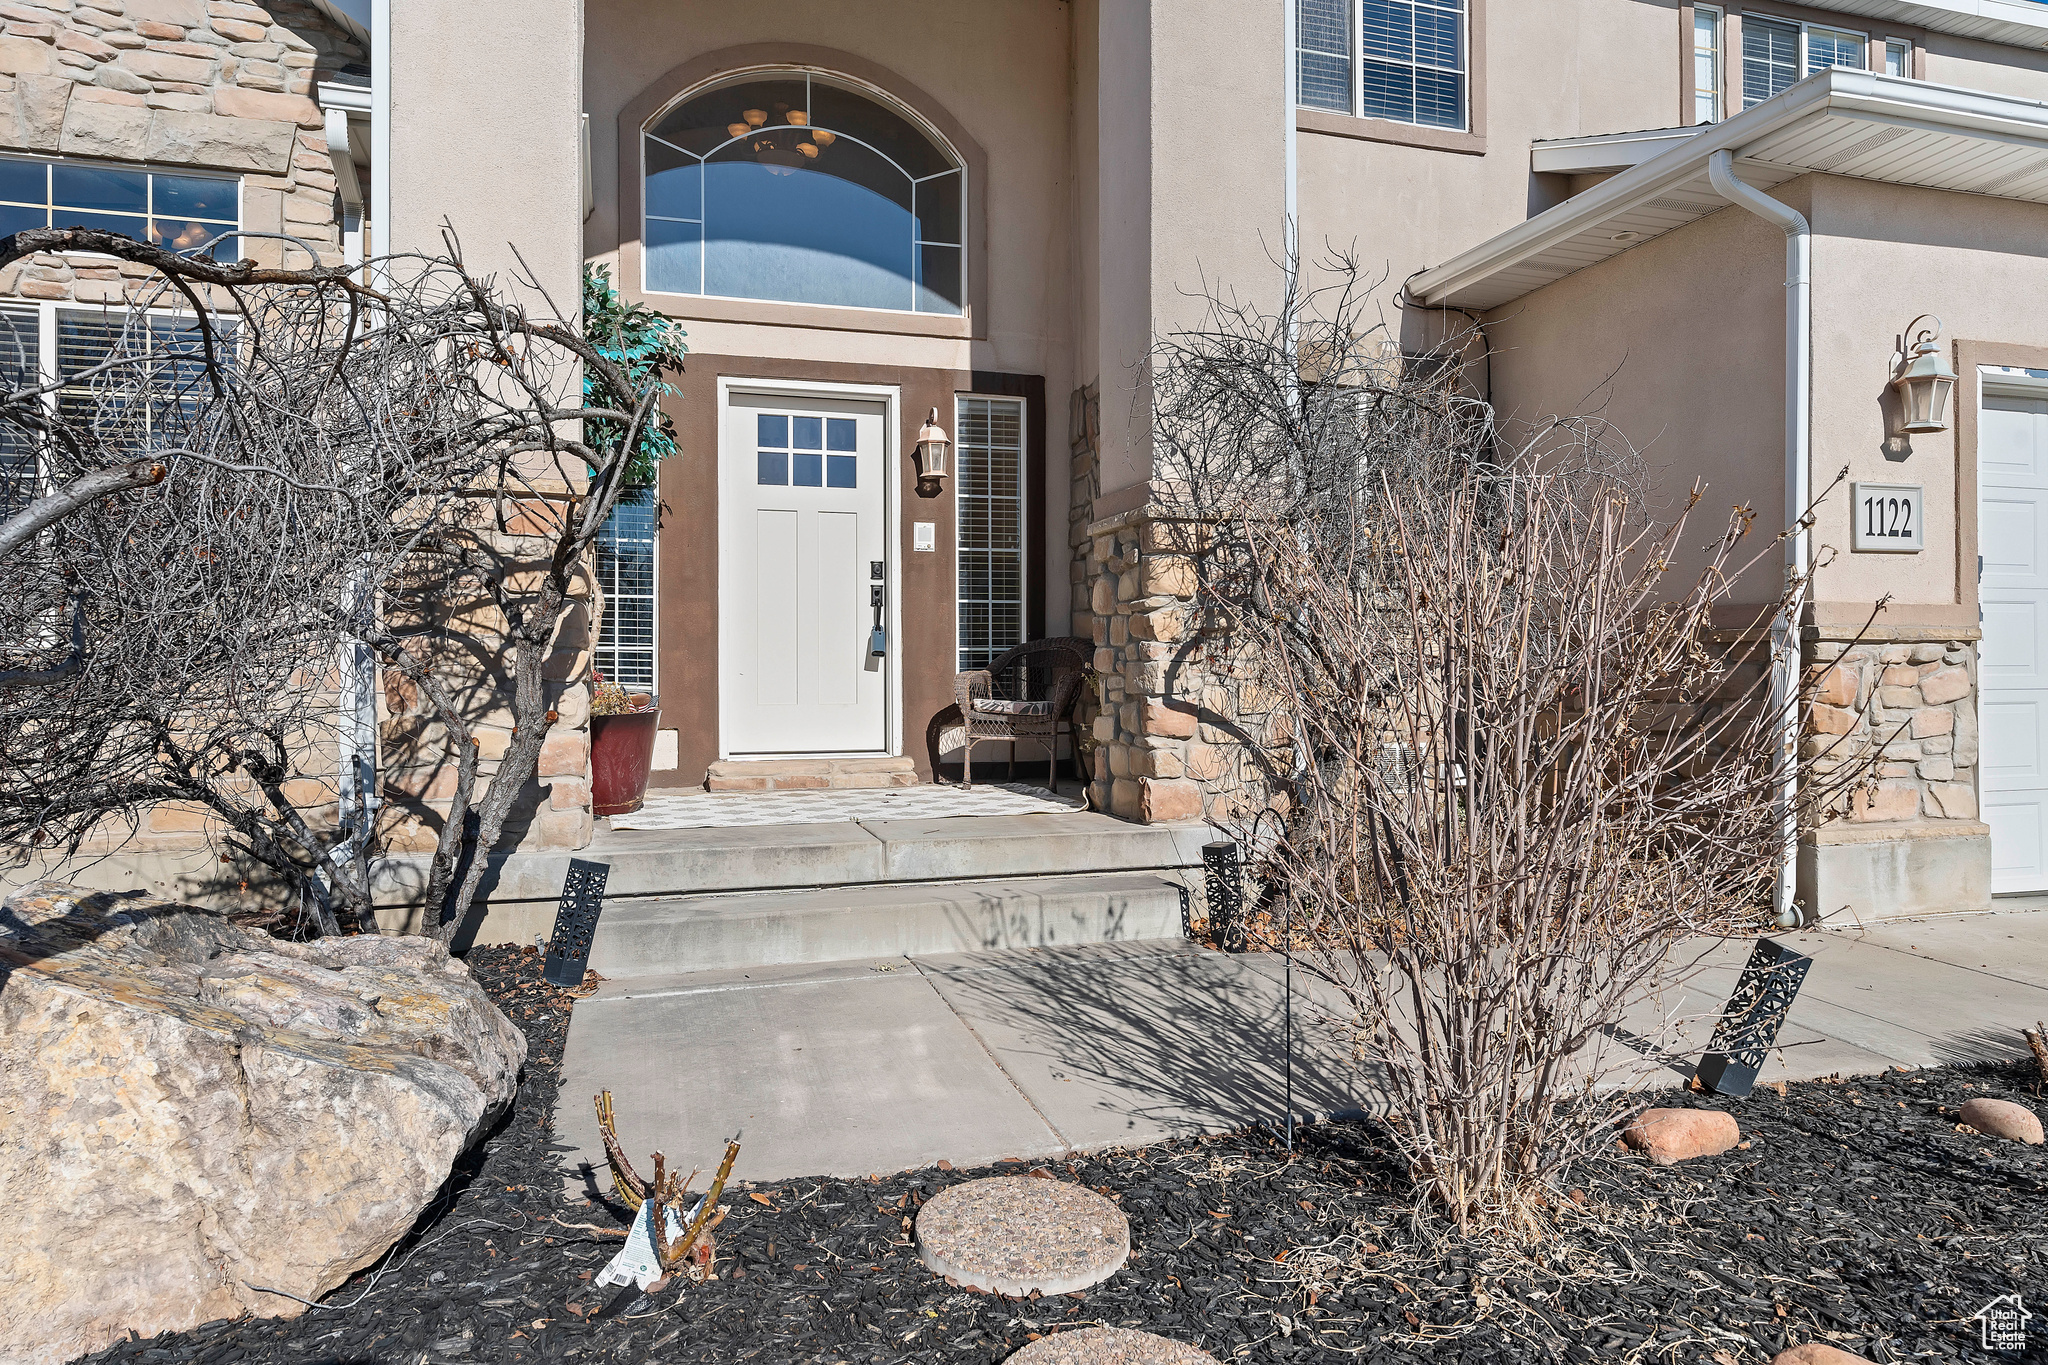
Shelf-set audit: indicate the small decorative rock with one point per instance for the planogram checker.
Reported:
(1014, 1234)
(1669, 1136)
(1109, 1346)
(1813, 1353)
(2003, 1119)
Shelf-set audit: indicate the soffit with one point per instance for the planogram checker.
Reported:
(1848, 123)
(2017, 23)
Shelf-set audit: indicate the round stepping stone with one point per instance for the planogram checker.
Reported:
(1109, 1346)
(1013, 1234)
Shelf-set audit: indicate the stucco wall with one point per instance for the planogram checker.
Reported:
(1882, 254)
(490, 142)
(1678, 346)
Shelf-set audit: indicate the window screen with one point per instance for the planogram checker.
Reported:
(1770, 57)
(1322, 49)
(625, 571)
(989, 507)
(1414, 61)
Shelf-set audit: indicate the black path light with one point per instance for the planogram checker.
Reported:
(576, 922)
(1749, 1026)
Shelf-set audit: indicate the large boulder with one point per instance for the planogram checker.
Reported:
(198, 1121)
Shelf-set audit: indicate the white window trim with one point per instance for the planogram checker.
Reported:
(1024, 528)
(1885, 51)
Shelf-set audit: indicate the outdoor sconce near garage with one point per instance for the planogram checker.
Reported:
(932, 454)
(1926, 383)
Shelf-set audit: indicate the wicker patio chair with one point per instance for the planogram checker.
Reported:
(1046, 675)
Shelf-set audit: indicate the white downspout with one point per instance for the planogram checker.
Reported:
(1798, 487)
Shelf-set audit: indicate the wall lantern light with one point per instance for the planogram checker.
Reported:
(1926, 382)
(933, 450)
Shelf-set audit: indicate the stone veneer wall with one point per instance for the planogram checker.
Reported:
(201, 83)
(228, 87)
(1917, 700)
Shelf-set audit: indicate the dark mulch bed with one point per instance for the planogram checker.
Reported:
(1857, 1215)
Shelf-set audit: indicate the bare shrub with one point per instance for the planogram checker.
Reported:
(1521, 753)
(237, 503)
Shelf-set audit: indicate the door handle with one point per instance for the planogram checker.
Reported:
(878, 638)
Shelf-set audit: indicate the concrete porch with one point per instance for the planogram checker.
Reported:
(733, 880)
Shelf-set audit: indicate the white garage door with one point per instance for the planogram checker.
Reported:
(2012, 512)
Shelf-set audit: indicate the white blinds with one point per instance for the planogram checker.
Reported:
(989, 504)
(625, 571)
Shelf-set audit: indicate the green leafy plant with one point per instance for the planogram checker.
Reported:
(644, 344)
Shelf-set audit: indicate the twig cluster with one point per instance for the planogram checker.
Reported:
(330, 463)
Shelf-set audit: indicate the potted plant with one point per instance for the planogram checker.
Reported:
(621, 747)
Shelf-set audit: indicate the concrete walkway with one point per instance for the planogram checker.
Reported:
(856, 1067)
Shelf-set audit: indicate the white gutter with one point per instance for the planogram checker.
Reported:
(1890, 99)
(1798, 491)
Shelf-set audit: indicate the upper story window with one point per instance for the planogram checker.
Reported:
(803, 189)
(1898, 57)
(182, 212)
(1778, 52)
(1706, 64)
(1404, 60)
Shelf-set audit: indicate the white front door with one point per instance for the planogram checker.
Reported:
(802, 554)
(2012, 520)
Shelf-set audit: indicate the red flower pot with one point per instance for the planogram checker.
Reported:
(621, 751)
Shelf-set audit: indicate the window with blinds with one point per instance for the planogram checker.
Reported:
(20, 344)
(1776, 53)
(138, 382)
(1402, 60)
(625, 571)
(989, 510)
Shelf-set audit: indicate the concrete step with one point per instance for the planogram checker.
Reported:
(669, 936)
(684, 862)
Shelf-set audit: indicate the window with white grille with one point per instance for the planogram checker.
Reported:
(625, 571)
(989, 509)
(1401, 60)
(184, 212)
(138, 381)
(1778, 52)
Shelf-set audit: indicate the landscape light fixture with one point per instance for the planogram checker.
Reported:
(931, 455)
(1926, 383)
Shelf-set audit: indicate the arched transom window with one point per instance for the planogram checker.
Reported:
(803, 189)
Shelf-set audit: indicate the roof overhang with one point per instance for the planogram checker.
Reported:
(2019, 23)
(1836, 122)
(1605, 151)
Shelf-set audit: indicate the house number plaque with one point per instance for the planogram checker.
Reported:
(1888, 517)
